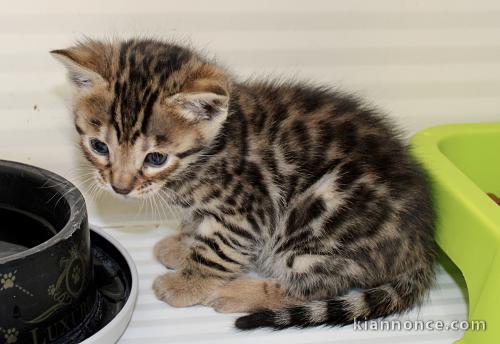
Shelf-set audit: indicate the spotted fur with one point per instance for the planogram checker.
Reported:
(302, 184)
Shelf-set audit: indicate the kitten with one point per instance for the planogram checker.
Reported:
(304, 185)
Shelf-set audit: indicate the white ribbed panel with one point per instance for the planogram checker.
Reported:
(424, 62)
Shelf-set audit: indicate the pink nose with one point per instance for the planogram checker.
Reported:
(121, 191)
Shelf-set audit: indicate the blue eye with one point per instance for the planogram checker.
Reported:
(99, 147)
(155, 159)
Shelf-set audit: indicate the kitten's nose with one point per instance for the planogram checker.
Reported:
(122, 179)
(121, 191)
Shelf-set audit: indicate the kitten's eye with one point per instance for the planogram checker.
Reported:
(155, 159)
(99, 147)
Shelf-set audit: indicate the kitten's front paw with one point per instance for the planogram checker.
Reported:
(176, 290)
(171, 251)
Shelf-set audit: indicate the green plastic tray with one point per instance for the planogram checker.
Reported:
(463, 161)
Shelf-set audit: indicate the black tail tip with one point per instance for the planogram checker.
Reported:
(255, 320)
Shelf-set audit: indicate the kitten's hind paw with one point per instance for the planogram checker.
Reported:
(228, 305)
(244, 295)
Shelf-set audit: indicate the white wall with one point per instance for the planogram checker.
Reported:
(425, 62)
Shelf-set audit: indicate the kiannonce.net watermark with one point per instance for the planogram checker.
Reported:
(419, 325)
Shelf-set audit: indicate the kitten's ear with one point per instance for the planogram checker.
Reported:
(82, 64)
(201, 105)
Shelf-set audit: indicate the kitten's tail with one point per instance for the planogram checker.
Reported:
(368, 304)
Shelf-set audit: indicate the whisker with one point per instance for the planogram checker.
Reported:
(64, 194)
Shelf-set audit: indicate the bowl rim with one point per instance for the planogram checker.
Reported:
(113, 330)
(425, 145)
(68, 191)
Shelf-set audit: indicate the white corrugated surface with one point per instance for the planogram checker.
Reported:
(425, 62)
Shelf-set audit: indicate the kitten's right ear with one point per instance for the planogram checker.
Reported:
(81, 65)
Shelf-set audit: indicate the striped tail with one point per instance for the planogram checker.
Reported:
(367, 304)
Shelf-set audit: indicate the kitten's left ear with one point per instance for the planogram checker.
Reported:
(83, 64)
(199, 106)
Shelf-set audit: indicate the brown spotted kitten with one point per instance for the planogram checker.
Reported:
(301, 184)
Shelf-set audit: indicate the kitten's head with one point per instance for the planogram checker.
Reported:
(144, 109)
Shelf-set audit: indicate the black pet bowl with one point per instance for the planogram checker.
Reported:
(59, 282)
